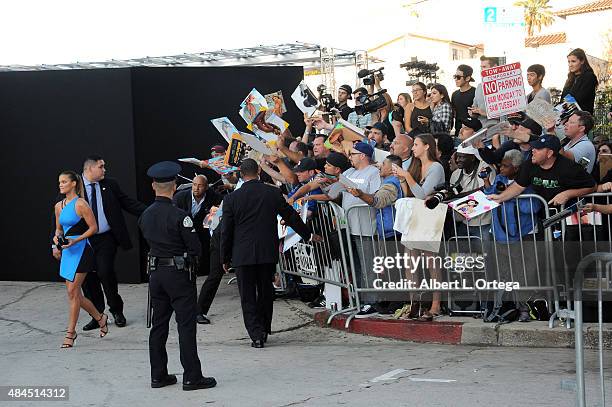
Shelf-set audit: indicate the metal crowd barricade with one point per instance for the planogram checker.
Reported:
(324, 261)
(528, 260)
(579, 240)
(600, 260)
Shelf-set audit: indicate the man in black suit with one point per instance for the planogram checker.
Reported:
(249, 241)
(198, 203)
(107, 201)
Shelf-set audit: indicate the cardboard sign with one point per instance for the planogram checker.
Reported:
(504, 90)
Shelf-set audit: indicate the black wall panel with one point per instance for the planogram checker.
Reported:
(51, 120)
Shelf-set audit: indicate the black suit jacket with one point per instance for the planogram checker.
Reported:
(182, 200)
(114, 200)
(249, 232)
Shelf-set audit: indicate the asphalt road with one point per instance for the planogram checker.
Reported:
(303, 365)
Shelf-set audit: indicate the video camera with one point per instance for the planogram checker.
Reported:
(326, 99)
(443, 192)
(371, 103)
(369, 75)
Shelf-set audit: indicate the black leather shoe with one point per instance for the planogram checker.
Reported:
(91, 325)
(166, 381)
(119, 319)
(258, 344)
(202, 319)
(203, 383)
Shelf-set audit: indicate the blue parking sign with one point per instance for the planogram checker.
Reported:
(490, 14)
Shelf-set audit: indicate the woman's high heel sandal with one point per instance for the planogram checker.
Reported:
(70, 342)
(103, 328)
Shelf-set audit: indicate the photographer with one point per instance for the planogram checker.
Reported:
(344, 94)
(356, 119)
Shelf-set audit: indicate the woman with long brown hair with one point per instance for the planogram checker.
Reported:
(441, 120)
(418, 113)
(581, 81)
(74, 224)
(423, 175)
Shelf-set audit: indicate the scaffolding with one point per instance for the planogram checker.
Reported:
(312, 57)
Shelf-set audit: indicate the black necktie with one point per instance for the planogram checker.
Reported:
(94, 201)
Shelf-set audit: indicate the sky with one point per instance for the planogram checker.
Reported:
(64, 31)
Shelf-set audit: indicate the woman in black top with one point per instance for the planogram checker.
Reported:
(420, 108)
(581, 80)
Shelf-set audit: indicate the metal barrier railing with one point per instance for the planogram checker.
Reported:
(599, 259)
(525, 254)
(522, 257)
(324, 261)
(580, 240)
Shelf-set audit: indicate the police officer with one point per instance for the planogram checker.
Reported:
(170, 234)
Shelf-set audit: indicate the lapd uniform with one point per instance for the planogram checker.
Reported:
(169, 232)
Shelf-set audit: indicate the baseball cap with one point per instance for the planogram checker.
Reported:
(218, 149)
(547, 141)
(467, 71)
(364, 148)
(516, 118)
(532, 125)
(347, 89)
(338, 160)
(305, 164)
(377, 126)
(472, 123)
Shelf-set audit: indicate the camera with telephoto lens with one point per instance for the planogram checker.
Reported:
(443, 192)
(371, 103)
(327, 100)
(369, 75)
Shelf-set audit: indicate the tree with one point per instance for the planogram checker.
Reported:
(537, 14)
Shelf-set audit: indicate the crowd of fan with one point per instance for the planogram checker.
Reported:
(422, 134)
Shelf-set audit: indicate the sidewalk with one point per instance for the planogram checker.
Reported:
(469, 331)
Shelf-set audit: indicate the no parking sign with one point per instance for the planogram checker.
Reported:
(504, 90)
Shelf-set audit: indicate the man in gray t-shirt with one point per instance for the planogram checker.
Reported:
(579, 146)
(367, 178)
(362, 221)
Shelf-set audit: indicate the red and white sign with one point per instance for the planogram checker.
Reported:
(504, 90)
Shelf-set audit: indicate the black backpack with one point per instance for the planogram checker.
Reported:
(498, 311)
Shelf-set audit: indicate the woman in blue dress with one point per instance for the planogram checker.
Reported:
(74, 224)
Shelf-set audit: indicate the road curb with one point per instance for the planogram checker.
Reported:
(469, 331)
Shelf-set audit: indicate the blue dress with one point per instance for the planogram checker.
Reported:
(78, 258)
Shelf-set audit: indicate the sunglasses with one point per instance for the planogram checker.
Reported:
(351, 153)
(458, 77)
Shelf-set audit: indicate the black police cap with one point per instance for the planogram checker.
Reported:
(164, 171)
